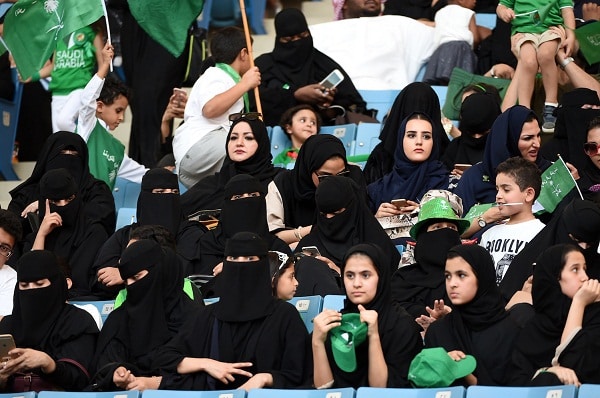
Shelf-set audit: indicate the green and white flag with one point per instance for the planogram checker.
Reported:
(32, 28)
(167, 21)
(477, 211)
(589, 41)
(557, 182)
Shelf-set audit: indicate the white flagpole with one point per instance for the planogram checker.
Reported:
(571, 175)
(107, 27)
(4, 44)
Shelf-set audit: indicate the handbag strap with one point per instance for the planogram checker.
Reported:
(77, 364)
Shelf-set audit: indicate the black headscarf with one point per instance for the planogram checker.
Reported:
(245, 286)
(296, 56)
(296, 186)
(91, 190)
(35, 311)
(208, 192)
(580, 218)
(409, 180)
(242, 215)
(159, 208)
(334, 236)
(415, 97)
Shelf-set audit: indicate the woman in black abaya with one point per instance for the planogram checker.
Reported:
(382, 360)
(478, 324)
(248, 339)
(55, 341)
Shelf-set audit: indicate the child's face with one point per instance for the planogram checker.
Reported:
(461, 282)
(573, 274)
(114, 113)
(529, 141)
(304, 124)
(360, 279)
(287, 284)
(509, 192)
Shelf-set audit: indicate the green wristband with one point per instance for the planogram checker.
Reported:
(35, 77)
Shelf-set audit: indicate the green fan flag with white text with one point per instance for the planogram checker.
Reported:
(33, 27)
(167, 21)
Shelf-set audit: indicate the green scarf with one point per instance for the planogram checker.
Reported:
(236, 78)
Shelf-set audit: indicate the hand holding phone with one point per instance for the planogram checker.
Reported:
(312, 251)
(7, 343)
(399, 203)
(332, 80)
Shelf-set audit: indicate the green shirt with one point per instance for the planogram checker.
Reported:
(529, 12)
(74, 61)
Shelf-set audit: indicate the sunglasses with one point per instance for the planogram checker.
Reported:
(343, 173)
(590, 148)
(234, 117)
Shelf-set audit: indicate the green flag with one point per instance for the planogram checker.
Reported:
(557, 182)
(477, 210)
(32, 28)
(589, 41)
(167, 21)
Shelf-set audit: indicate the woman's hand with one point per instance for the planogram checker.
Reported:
(50, 222)
(323, 323)
(218, 269)
(370, 318)
(439, 309)
(225, 371)
(589, 292)
(110, 276)
(259, 380)
(31, 208)
(315, 94)
(122, 377)
(565, 375)
(25, 359)
(144, 383)
(387, 210)
(330, 264)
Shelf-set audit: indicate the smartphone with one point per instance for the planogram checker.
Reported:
(462, 166)
(311, 251)
(399, 203)
(7, 343)
(180, 95)
(333, 79)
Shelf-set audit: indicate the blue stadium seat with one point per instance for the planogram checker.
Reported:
(210, 301)
(9, 116)
(345, 132)
(381, 100)
(104, 307)
(441, 92)
(125, 216)
(28, 394)
(448, 392)
(333, 302)
(126, 193)
(194, 394)
(221, 13)
(308, 307)
(367, 137)
(589, 391)
(279, 141)
(325, 393)
(486, 20)
(569, 391)
(112, 394)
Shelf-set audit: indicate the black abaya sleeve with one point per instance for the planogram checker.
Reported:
(99, 206)
(108, 256)
(400, 345)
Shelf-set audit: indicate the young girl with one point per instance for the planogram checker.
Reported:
(283, 275)
(478, 324)
(392, 341)
(299, 123)
(560, 345)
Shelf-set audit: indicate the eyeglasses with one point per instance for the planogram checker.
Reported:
(343, 173)
(590, 148)
(234, 117)
(6, 251)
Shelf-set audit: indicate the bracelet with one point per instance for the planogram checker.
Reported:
(565, 62)
(298, 234)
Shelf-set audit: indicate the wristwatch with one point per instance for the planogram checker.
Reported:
(481, 222)
(565, 62)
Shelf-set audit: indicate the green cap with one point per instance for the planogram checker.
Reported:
(344, 338)
(438, 209)
(433, 367)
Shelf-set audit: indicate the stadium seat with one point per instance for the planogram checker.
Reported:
(279, 141)
(308, 307)
(345, 132)
(126, 193)
(381, 100)
(104, 307)
(447, 392)
(9, 116)
(486, 20)
(569, 391)
(194, 394)
(441, 92)
(221, 13)
(112, 394)
(325, 393)
(589, 391)
(333, 302)
(367, 137)
(28, 394)
(125, 216)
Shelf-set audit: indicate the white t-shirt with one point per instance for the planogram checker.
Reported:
(452, 24)
(505, 241)
(8, 279)
(213, 81)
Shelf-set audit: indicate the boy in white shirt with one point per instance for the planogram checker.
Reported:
(103, 104)
(11, 233)
(518, 182)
